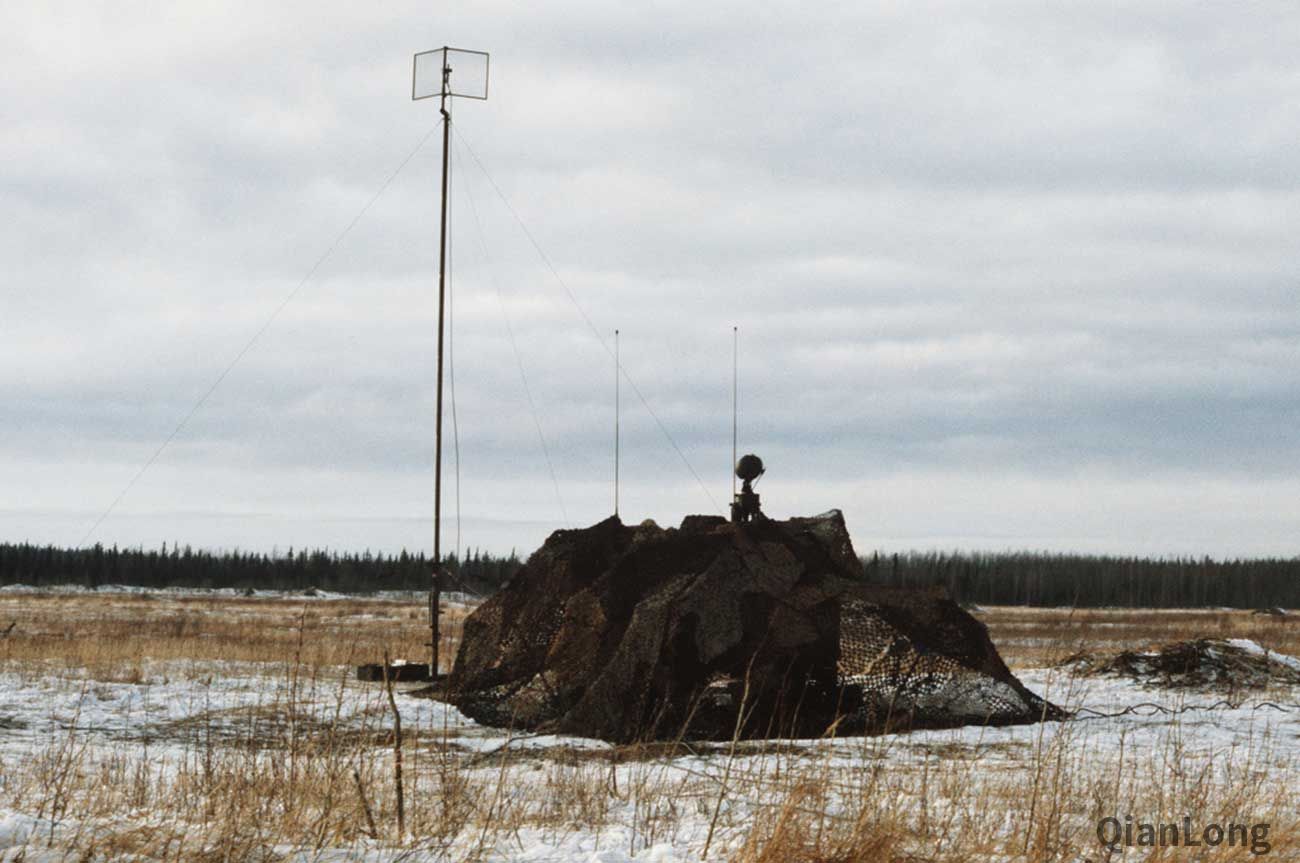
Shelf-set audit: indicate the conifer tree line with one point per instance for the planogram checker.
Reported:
(174, 566)
(1001, 578)
(1035, 578)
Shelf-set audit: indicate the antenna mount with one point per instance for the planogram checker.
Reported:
(745, 505)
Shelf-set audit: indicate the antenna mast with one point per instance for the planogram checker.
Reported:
(735, 403)
(475, 66)
(618, 369)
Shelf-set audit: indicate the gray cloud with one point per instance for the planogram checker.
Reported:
(1007, 274)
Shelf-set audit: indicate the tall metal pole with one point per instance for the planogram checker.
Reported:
(435, 593)
(617, 374)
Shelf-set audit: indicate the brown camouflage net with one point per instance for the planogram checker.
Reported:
(918, 655)
(766, 630)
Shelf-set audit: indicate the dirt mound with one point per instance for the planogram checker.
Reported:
(1201, 663)
(635, 633)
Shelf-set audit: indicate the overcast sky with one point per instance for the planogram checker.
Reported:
(1007, 275)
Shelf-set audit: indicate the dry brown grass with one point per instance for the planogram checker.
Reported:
(307, 766)
(114, 636)
(1036, 637)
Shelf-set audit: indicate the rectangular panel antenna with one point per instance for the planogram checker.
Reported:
(466, 78)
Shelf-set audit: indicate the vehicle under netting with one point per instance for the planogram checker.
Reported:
(719, 629)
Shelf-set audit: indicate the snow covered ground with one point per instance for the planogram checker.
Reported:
(184, 711)
(108, 752)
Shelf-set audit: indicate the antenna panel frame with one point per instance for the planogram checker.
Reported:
(447, 56)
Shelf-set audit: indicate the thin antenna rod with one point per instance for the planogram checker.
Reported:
(735, 402)
(617, 374)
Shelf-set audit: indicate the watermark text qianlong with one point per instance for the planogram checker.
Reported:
(1116, 834)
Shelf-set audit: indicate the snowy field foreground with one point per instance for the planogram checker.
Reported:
(202, 758)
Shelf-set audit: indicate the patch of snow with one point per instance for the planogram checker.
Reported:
(16, 829)
(1255, 649)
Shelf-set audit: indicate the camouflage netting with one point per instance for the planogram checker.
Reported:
(633, 633)
(1201, 663)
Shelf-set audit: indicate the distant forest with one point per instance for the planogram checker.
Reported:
(1006, 578)
(1035, 578)
(42, 566)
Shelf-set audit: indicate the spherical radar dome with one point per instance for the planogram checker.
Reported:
(749, 468)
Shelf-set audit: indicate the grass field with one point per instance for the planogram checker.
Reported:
(218, 727)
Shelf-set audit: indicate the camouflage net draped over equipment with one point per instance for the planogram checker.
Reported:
(629, 633)
(1201, 663)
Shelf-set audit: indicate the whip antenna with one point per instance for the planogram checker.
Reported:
(749, 467)
(431, 75)
(735, 403)
(618, 369)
